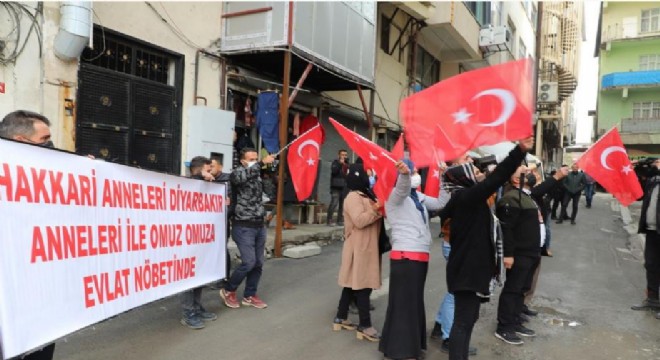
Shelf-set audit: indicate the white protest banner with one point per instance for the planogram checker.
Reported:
(83, 240)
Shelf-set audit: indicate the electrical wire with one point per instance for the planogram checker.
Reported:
(102, 37)
(174, 28)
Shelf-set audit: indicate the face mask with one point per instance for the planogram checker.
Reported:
(415, 181)
(372, 181)
(48, 144)
(250, 164)
(575, 171)
(530, 180)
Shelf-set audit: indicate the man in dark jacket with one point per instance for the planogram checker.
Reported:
(472, 261)
(338, 171)
(649, 224)
(574, 183)
(248, 230)
(523, 229)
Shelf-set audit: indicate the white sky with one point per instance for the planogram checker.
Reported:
(587, 90)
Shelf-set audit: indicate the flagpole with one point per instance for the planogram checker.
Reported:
(296, 139)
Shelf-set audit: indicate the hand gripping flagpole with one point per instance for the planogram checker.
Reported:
(296, 139)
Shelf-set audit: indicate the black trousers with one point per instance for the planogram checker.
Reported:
(404, 331)
(564, 204)
(652, 263)
(556, 201)
(44, 354)
(361, 298)
(466, 314)
(518, 282)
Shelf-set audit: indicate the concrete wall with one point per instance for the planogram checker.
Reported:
(624, 56)
(614, 14)
(43, 84)
(612, 107)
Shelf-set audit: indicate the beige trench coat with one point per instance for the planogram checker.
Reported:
(360, 259)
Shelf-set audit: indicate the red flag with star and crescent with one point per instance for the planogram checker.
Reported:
(479, 107)
(303, 159)
(432, 187)
(607, 162)
(373, 157)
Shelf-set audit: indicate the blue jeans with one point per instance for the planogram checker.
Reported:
(445, 315)
(251, 243)
(191, 301)
(589, 193)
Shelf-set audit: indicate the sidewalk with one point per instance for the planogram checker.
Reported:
(303, 234)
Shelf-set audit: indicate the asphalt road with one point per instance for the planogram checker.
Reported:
(584, 297)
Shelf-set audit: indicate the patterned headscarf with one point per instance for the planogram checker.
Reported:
(459, 177)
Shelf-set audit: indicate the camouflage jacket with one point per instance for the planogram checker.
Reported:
(247, 190)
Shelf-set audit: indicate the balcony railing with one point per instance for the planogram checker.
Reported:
(637, 125)
(626, 31)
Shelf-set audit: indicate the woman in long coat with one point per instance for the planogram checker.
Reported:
(360, 267)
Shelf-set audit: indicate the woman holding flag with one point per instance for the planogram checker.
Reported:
(360, 267)
(404, 332)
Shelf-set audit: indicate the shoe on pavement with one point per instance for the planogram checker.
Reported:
(229, 298)
(193, 321)
(647, 304)
(522, 318)
(529, 312)
(472, 351)
(436, 333)
(657, 316)
(572, 222)
(255, 301)
(523, 331)
(509, 337)
(560, 221)
(206, 315)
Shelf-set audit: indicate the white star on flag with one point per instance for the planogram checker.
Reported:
(311, 162)
(462, 116)
(436, 173)
(373, 157)
(626, 169)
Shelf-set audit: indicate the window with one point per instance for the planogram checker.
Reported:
(651, 20)
(522, 49)
(535, 15)
(649, 62)
(646, 110)
(512, 39)
(480, 10)
(385, 34)
(427, 68)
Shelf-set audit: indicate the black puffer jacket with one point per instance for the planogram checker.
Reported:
(247, 190)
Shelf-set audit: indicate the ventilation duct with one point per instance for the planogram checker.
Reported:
(75, 29)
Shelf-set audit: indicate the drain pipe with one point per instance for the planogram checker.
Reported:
(75, 29)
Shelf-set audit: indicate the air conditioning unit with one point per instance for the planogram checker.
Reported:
(548, 92)
(494, 38)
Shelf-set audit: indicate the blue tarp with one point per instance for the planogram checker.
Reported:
(268, 120)
(632, 78)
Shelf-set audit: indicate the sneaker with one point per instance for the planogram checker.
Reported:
(229, 298)
(509, 337)
(472, 351)
(529, 312)
(206, 315)
(192, 321)
(522, 318)
(523, 331)
(436, 333)
(648, 304)
(657, 316)
(573, 222)
(254, 301)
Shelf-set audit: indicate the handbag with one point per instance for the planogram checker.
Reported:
(384, 244)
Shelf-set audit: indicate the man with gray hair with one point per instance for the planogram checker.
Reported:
(26, 126)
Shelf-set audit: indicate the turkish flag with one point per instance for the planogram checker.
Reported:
(432, 187)
(607, 162)
(303, 157)
(374, 157)
(478, 107)
(397, 149)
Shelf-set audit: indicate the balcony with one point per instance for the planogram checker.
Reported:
(626, 31)
(631, 79)
(453, 30)
(640, 126)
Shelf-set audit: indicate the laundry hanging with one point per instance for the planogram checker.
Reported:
(268, 120)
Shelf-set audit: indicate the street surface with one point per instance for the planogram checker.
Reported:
(584, 297)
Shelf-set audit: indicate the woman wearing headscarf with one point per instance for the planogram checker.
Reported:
(473, 259)
(360, 267)
(404, 332)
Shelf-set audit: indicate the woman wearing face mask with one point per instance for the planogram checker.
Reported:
(360, 267)
(404, 332)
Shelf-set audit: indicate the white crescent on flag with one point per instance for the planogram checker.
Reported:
(508, 105)
(607, 152)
